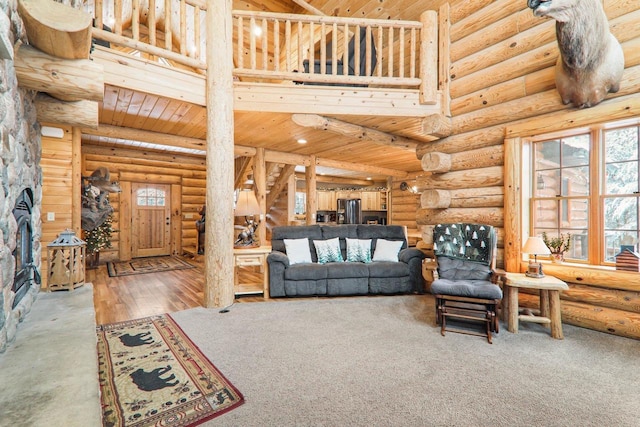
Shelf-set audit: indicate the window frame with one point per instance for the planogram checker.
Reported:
(596, 255)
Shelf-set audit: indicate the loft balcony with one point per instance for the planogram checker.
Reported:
(283, 63)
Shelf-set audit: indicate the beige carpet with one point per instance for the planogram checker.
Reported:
(381, 361)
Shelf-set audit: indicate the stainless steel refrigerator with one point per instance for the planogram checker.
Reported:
(349, 211)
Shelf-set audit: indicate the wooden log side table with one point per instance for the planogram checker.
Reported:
(550, 313)
(247, 257)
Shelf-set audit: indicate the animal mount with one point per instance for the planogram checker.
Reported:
(95, 200)
(591, 59)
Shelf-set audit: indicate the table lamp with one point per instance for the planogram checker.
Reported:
(535, 246)
(247, 206)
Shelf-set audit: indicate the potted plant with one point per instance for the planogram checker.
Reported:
(557, 245)
(97, 239)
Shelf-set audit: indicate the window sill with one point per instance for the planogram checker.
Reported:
(584, 274)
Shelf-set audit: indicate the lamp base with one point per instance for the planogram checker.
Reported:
(534, 270)
(247, 246)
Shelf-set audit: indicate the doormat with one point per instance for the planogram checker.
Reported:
(152, 374)
(146, 265)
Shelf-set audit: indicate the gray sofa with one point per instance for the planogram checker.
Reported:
(343, 278)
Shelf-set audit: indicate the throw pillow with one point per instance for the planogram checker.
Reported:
(298, 250)
(328, 250)
(359, 250)
(387, 250)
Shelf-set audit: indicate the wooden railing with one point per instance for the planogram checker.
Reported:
(273, 47)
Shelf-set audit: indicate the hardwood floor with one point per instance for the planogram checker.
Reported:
(130, 297)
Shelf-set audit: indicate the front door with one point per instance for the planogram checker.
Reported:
(150, 219)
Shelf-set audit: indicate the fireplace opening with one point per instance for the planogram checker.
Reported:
(26, 272)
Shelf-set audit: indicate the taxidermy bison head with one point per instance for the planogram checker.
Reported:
(591, 60)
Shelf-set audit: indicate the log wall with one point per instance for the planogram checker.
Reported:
(145, 166)
(501, 79)
(57, 190)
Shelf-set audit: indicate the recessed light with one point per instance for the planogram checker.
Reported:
(368, 178)
(302, 141)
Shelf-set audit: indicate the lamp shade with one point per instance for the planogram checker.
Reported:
(247, 204)
(536, 246)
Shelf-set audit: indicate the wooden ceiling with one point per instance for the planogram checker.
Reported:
(277, 131)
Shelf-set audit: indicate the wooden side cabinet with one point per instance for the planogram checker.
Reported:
(251, 257)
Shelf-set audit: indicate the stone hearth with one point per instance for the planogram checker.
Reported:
(20, 156)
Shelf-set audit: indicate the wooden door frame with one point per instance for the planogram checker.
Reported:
(126, 179)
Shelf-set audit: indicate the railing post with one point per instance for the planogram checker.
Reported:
(429, 58)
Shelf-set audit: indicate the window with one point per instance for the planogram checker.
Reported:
(150, 197)
(301, 203)
(586, 183)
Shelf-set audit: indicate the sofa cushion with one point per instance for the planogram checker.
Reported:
(328, 250)
(387, 250)
(340, 270)
(298, 251)
(459, 269)
(388, 232)
(306, 272)
(388, 269)
(467, 288)
(312, 232)
(359, 250)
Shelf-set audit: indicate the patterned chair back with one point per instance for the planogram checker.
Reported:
(466, 241)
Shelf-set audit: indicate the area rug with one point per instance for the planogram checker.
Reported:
(146, 265)
(151, 374)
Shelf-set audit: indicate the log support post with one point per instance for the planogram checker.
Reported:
(260, 179)
(311, 181)
(512, 208)
(219, 264)
(429, 58)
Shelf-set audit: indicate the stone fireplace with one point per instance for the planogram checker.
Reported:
(20, 192)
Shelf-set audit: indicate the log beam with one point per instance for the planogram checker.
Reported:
(490, 216)
(77, 113)
(470, 178)
(463, 142)
(437, 162)
(56, 29)
(437, 125)
(354, 131)
(464, 197)
(66, 79)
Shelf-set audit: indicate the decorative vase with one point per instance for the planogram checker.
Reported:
(557, 258)
(93, 260)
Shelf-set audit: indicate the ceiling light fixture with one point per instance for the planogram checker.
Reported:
(302, 141)
(257, 31)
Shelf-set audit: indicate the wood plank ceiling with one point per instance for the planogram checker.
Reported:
(276, 131)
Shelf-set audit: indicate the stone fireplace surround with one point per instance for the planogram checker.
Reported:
(20, 150)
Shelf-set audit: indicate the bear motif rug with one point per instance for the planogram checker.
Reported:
(152, 374)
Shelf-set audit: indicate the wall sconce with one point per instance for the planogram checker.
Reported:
(406, 187)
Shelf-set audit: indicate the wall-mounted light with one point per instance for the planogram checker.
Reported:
(406, 187)
(52, 132)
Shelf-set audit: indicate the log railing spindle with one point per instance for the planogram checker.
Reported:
(183, 27)
(151, 22)
(168, 34)
(265, 49)
(240, 27)
(135, 19)
(276, 45)
(252, 43)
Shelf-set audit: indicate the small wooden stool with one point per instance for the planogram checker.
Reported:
(550, 313)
